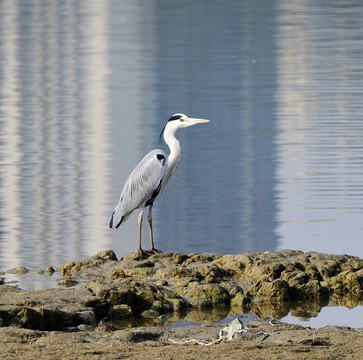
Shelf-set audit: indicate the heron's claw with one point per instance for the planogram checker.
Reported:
(153, 251)
(142, 254)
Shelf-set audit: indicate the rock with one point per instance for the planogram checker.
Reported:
(178, 304)
(201, 304)
(139, 272)
(162, 282)
(131, 256)
(212, 293)
(240, 300)
(210, 273)
(104, 326)
(179, 258)
(157, 305)
(347, 282)
(70, 268)
(51, 309)
(117, 274)
(269, 284)
(107, 255)
(75, 268)
(20, 270)
(50, 270)
(84, 327)
(150, 314)
(275, 291)
(232, 264)
(310, 291)
(68, 282)
(121, 311)
(359, 273)
(138, 295)
(139, 335)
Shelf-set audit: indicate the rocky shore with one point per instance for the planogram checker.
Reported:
(101, 293)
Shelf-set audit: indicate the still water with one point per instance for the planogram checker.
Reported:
(86, 87)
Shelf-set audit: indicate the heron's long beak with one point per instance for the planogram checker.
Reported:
(197, 121)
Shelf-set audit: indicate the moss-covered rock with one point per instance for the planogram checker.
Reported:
(117, 274)
(51, 309)
(214, 294)
(346, 282)
(275, 291)
(266, 283)
(240, 300)
(139, 295)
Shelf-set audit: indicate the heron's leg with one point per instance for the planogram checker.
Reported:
(150, 221)
(139, 250)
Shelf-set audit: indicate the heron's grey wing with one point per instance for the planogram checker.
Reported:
(142, 186)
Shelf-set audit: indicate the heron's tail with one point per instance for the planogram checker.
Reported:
(116, 218)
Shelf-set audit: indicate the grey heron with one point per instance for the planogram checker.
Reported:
(150, 177)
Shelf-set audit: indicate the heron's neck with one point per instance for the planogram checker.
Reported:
(175, 149)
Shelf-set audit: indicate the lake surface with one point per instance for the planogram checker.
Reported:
(86, 87)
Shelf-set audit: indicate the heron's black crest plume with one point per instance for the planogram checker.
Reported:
(174, 117)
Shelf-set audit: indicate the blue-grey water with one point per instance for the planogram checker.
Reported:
(86, 87)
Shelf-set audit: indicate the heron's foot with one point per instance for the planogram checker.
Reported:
(142, 254)
(153, 251)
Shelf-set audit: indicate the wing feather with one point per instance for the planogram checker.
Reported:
(141, 187)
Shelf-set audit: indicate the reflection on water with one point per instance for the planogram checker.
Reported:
(320, 127)
(53, 113)
(86, 87)
(220, 201)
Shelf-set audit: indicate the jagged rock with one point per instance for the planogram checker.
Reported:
(276, 291)
(51, 309)
(139, 295)
(269, 284)
(50, 270)
(117, 274)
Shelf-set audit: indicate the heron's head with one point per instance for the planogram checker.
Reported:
(179, 120)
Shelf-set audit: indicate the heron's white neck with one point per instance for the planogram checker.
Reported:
(175, 149)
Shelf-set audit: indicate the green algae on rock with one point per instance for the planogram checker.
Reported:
(205, 286)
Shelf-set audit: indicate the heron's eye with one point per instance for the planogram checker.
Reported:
(181, 119)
